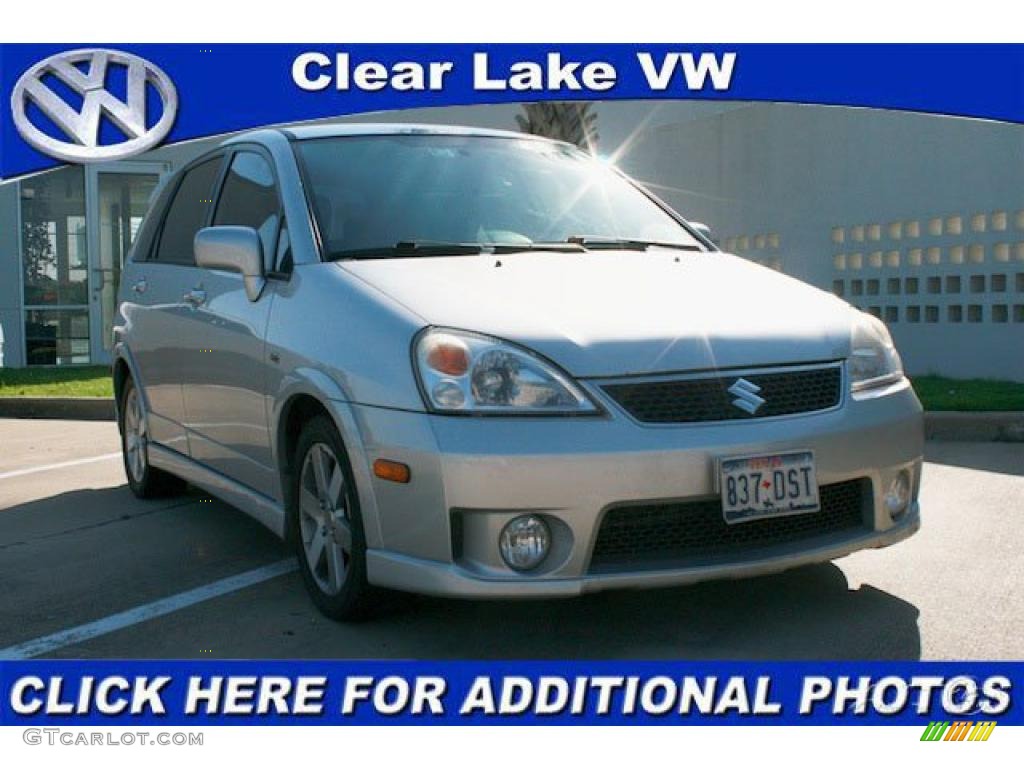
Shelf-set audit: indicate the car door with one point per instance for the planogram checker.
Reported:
(224, 389)
(155, 282)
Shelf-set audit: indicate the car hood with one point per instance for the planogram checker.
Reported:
(613, 313)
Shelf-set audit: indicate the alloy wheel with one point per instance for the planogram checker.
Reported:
(135, 436)
(324, 518)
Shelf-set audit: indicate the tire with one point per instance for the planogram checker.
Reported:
(326, 526)
(146, 482)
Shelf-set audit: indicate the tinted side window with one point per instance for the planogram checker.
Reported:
(249, 199)
(187, 213)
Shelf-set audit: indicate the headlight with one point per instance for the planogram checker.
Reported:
(874, 360)
(462, 372)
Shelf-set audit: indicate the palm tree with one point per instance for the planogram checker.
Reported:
(571, 121)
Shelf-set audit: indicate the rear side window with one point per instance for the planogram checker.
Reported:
(187, 213)
(249, 199)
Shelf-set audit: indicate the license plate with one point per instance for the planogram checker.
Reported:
(755, 487)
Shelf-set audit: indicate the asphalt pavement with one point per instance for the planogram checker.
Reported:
(87, 570)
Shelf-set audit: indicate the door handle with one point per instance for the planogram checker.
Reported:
(195, 297)
(140, 286)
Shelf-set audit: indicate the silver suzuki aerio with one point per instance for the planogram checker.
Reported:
(480, 364)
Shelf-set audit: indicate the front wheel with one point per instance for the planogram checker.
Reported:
(327, 527)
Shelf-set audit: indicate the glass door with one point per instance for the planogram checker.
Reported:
(118, 197)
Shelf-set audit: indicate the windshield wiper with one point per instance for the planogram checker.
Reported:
(631, 244)
(574, 244)
(407, 248)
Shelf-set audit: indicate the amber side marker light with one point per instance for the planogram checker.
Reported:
(394, 471)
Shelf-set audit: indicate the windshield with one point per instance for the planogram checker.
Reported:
(376, 193)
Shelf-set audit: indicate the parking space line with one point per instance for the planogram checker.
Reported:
(58, 465)
(162, 607)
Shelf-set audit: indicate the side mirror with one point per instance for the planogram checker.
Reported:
(235, 249)
(703, 230)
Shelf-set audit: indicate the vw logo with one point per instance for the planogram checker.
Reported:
(85, 71)
(746, 395)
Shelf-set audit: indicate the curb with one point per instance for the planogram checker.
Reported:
(979, 426)
(83, 408)
(960, 426)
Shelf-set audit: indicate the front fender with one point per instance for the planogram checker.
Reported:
(314, 383)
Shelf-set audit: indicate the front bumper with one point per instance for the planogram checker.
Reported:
(482, 472)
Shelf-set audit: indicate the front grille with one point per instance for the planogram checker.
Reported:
(693, 533)
(688, 400)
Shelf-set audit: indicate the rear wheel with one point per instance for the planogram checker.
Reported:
(327, 527)
(145, 481)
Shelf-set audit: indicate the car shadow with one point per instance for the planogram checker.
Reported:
(87, 553)
(1005, 458)
(806, 613)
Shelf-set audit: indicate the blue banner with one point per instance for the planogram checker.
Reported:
(198, 693)
(223, 87)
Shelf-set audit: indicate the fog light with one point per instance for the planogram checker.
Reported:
(898, 495)
(525, 542)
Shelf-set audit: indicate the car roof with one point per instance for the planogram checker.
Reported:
(327, 130)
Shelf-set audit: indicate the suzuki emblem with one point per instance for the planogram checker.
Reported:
(747, 398)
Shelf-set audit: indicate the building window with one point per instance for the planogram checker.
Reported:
(56, 336)
(55, 267)
(53, 243)
(913, 314)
